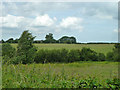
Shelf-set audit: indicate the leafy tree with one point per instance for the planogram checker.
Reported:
(66, 39)
(8, 50)
(25, 50)
(87, 54)
(49, 38)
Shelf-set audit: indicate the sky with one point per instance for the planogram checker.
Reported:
(87, 21)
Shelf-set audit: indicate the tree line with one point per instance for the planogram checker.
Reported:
(27, 53)
(48, 39)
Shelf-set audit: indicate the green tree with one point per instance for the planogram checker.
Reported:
(8, 52)
(25, 50)
(116, 52)
(49, 38)
(87, 54)
(66, 39)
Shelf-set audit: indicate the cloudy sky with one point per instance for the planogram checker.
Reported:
(87, 21)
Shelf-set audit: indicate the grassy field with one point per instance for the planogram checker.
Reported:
(57, 75)
(102, 48)
(61, 75)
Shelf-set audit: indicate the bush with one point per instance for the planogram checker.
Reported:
(101, 57)
(8, 50)
(109, 56)
(74, 55)
(40, 56)
(44, 56)
(66, 56)
(87, 54)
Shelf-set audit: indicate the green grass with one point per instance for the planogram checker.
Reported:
(57, 75)
(101, 48)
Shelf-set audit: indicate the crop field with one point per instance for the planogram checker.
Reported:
(56, 75)
(101, 48)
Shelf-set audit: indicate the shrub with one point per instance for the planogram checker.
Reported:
(74, 55)
(52, 56)
(88, 55)
(101, 57)
(40, 56)
(109, 56)
(64, 55)
(8, 50)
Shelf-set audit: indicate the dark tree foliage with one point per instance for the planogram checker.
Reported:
(115, 54)
(101, 57)
(117, 46)
(11, 40)
(8, 50)
(67, 56)
(66, 39)
(25, 50)
(74, 55)
(87, 54)
(2, 41)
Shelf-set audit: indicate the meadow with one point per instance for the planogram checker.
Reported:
(56, 75)
(80, 74)
(101, 48)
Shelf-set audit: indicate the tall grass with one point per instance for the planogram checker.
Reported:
(62, 75)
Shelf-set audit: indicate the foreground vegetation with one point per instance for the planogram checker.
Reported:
(71, 75)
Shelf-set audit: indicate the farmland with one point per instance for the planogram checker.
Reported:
(101, 48)
(56, 75)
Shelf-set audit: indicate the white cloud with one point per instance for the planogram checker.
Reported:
(73, 23)
(43, 20)
(11, 21)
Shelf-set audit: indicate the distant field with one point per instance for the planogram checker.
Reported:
(102, 48)
(57, 75)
